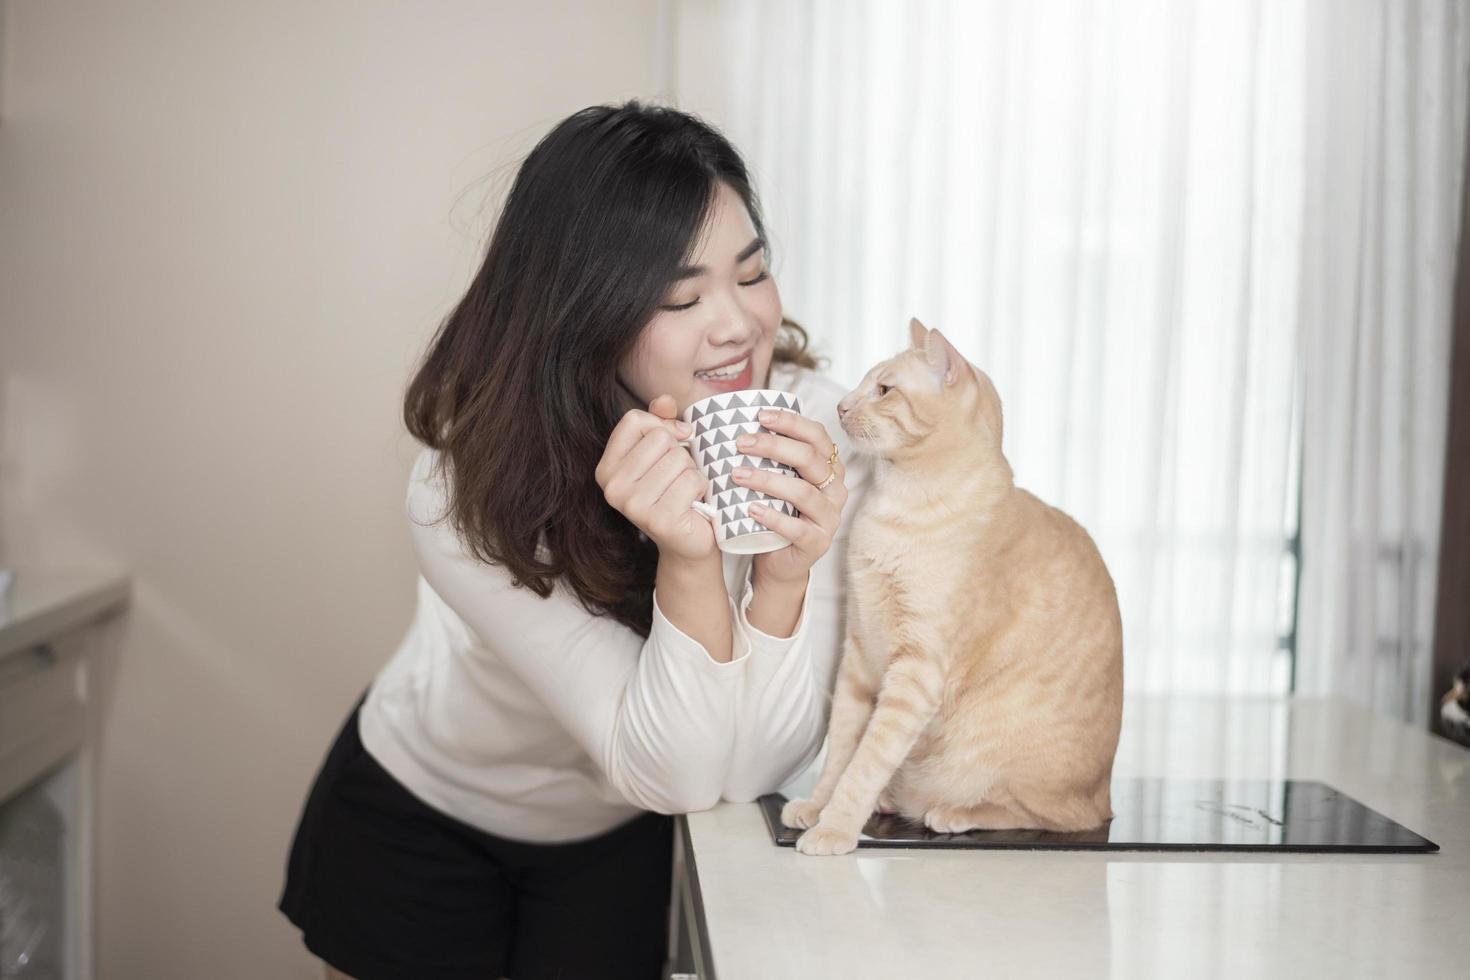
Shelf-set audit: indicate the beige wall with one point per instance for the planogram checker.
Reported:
(226, 231)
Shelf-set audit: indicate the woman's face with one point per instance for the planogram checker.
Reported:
(726, 308)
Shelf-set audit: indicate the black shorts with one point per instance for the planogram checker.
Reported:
(386, 887)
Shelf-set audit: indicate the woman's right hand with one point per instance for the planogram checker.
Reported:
(649, 478)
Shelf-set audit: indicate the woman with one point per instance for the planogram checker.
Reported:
(499, 801)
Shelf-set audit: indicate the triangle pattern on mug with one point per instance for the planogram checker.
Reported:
(722, 417)
(723, 467)
(738, 406)
(712, 450)
(717, 434)
(737, 496)
(723, 498)
(784, 506)
(743, 495)
(730, 511)
(741, 527)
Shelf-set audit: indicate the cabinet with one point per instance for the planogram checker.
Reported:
(50, 640)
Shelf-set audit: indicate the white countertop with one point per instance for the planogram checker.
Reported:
(903, 913)
(45, 603)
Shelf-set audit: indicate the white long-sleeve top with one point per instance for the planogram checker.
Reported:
(532, 719)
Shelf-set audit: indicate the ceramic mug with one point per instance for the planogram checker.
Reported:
(717, 421)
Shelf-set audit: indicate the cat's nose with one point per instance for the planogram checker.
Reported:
(842, 409)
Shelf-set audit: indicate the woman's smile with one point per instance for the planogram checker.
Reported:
(735, 382)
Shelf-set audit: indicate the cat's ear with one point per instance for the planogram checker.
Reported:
(942, 358)
(917, 332)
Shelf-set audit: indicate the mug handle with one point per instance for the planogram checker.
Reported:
(708, 510)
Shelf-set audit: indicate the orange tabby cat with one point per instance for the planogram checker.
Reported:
(981, 683)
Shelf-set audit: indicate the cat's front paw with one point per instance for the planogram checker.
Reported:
(801, 814)
(824, 839)
(949, 820)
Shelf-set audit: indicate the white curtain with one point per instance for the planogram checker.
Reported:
(1103, 205)
(1381, 226)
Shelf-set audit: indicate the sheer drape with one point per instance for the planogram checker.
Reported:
(1381, 228)
(1103, 205)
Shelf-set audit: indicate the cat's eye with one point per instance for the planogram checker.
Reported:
(884, 389)
(765, 274)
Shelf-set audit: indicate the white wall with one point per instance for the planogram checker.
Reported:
(226, 232)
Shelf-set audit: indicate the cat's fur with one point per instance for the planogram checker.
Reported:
(981, 682)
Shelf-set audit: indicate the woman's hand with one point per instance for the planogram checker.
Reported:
(802, 443)
(649, 478)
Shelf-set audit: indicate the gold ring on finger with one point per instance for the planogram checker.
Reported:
(831, 468)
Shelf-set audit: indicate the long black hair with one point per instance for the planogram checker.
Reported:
(518, 389)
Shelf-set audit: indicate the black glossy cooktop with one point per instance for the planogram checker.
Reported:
(1175, 815)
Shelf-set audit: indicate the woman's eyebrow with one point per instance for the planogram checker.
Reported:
(690, 271)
